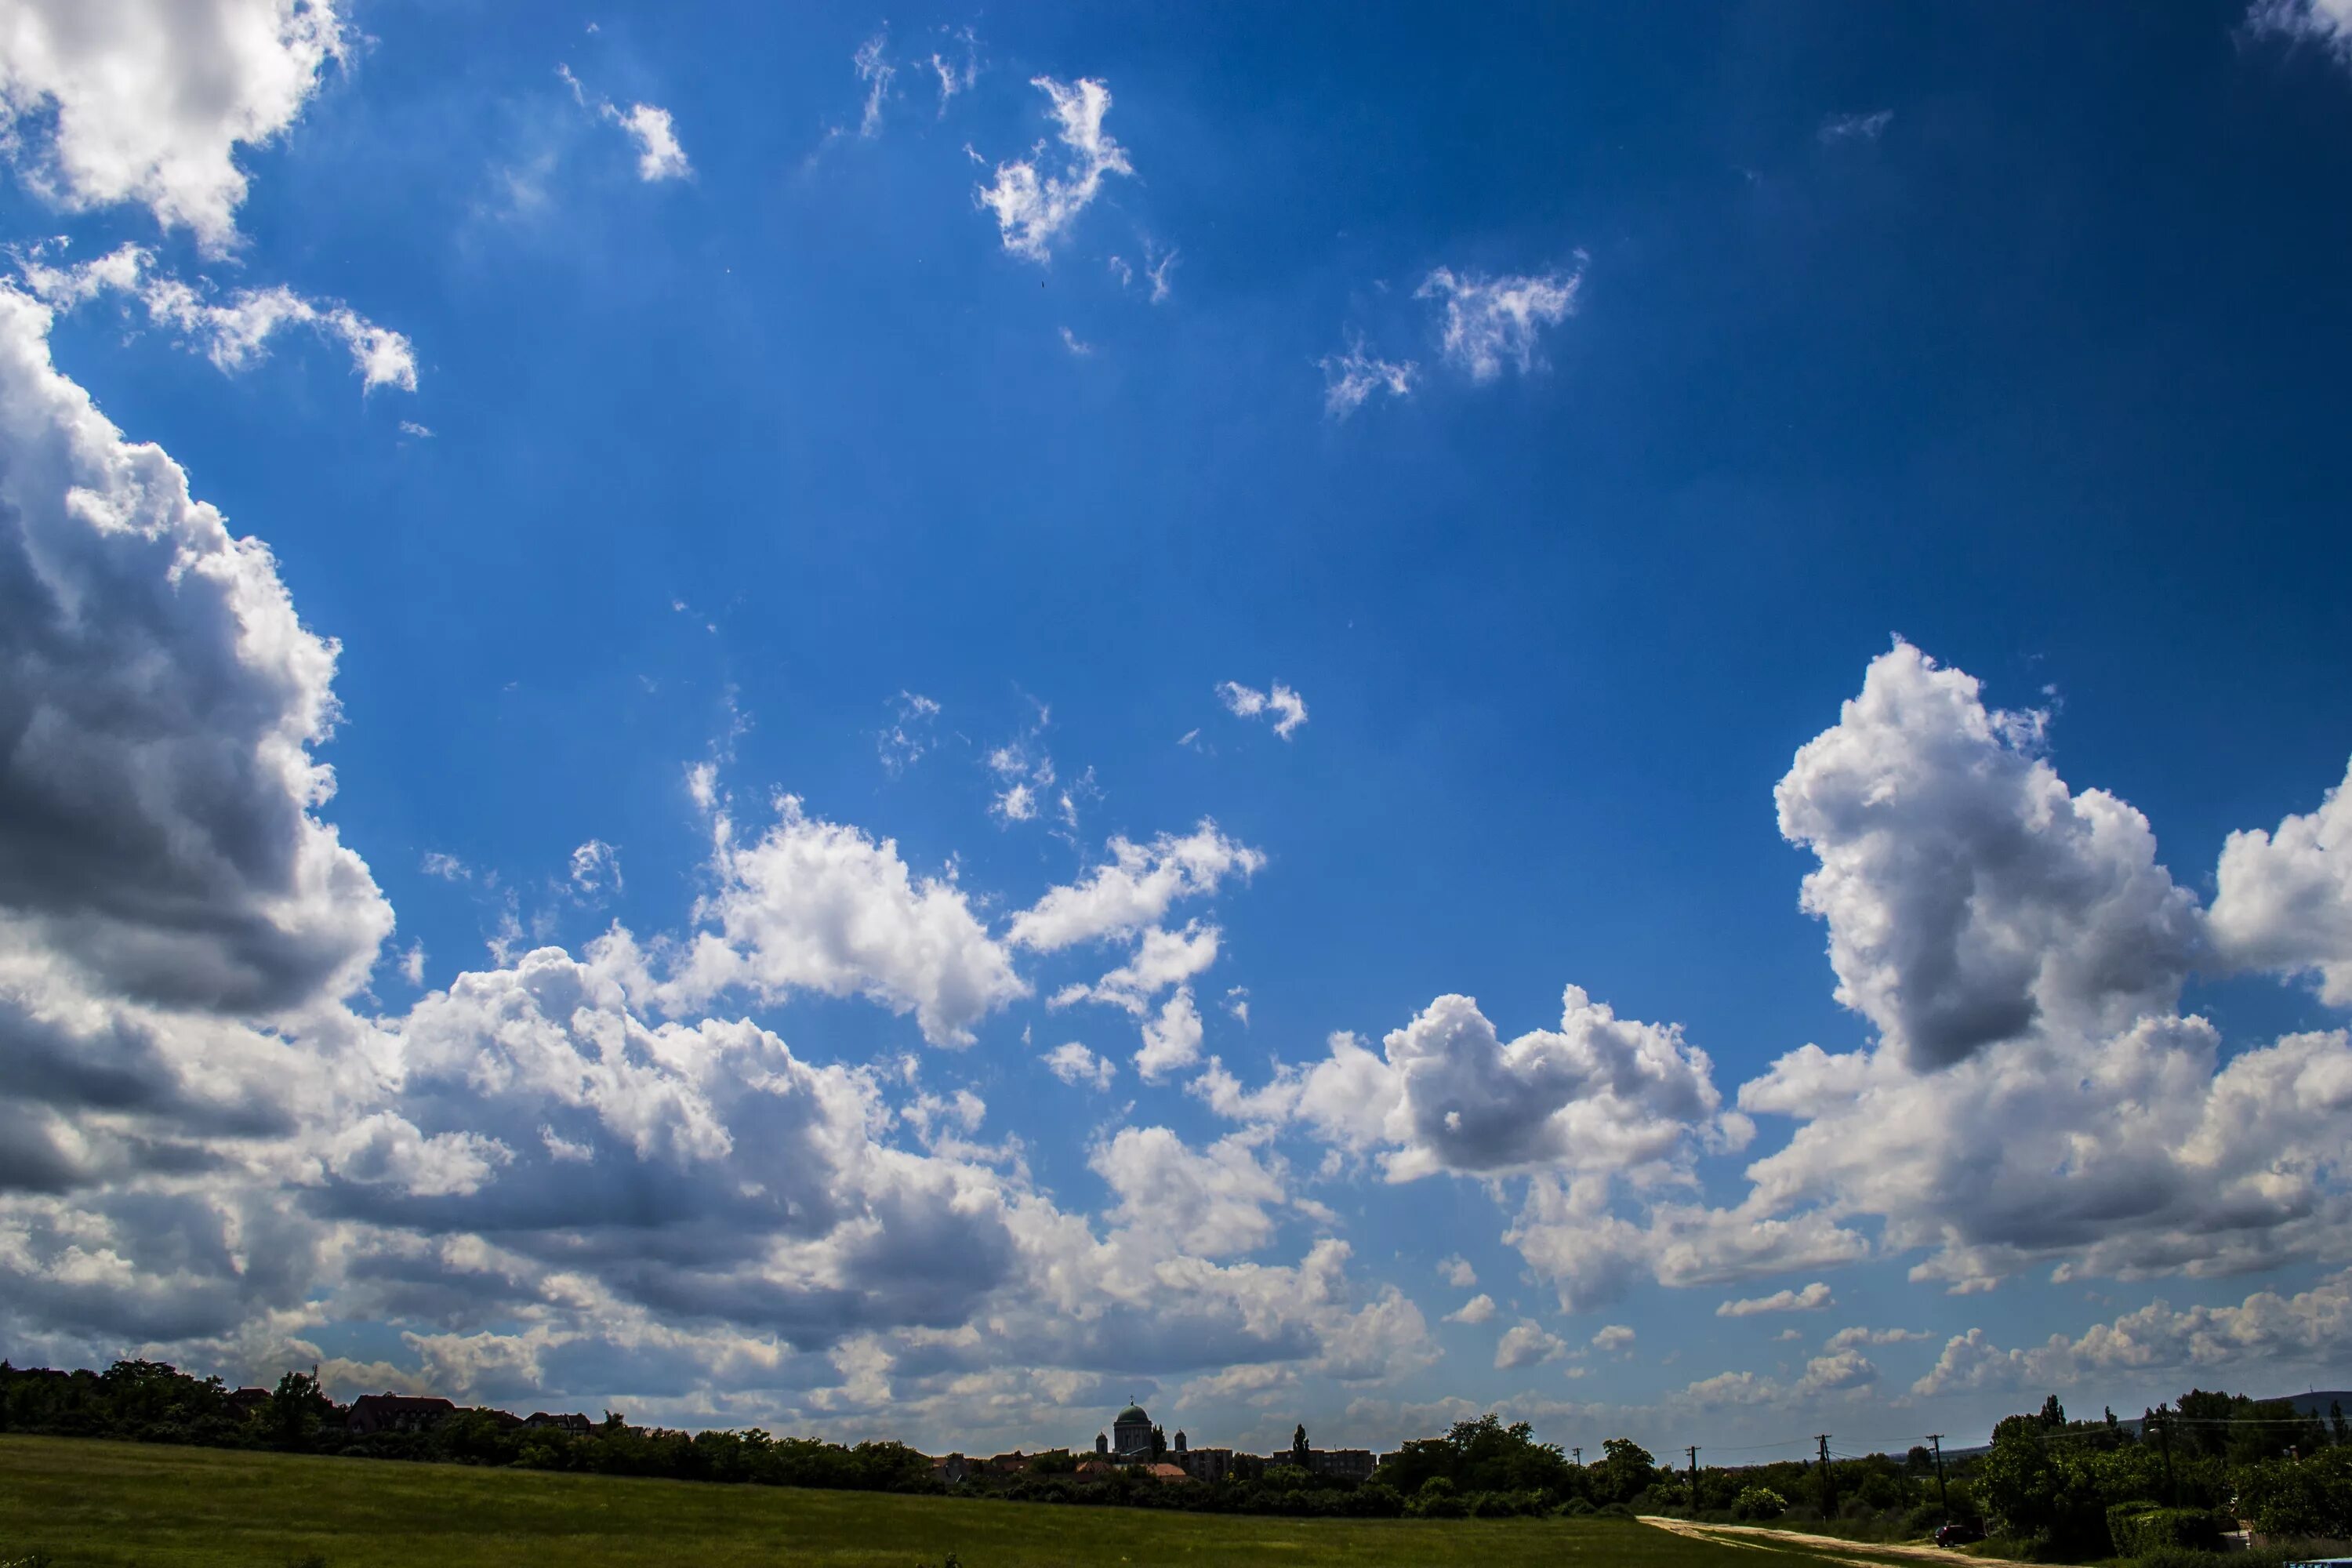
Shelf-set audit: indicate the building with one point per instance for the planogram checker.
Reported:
(374, 1412)
(250, 1403)
(1165, 1472)
(951, 1471)
(1130, 1435)
(575, 1425)
(1211, 1465)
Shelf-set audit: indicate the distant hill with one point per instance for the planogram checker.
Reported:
(2317, 1403)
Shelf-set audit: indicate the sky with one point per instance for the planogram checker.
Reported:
(904, 727)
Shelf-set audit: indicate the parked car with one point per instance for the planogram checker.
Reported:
(1957, 1534)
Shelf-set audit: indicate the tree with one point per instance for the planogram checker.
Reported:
(2335, 1422)
(297, 1409)
(2053, 1414)
(1298, 1450)
(1626, 1470)
(1158, 1445)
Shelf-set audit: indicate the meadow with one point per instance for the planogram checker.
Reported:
(90, 1504)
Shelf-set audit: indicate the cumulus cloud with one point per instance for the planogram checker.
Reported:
(1247, 703)
(1171, 1041)
(1526, 1344)
(1073, 1063)
(1812, 1298)
(535, 1188)
(1163, 958)
(1133, 888)
(1492, 321)
(158, 835)
(233, 332)
(811, 905)
(1456, 1271)
(1614, 1339)
(2284, 902)
(1847, 1339)
(2265, 1331)
(1970, 897)
(1478, 1309)
(1352, 375)
(1034, 211)
(1449, 1094)
(148, 100)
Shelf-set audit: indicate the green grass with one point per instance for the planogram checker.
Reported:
(86, 1504)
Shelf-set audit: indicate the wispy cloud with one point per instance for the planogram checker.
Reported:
(1855, 127)
(1247, 702)
(1351, 377)
(1033, 211)
(1490, 322)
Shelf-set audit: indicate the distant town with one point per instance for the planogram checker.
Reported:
(1135, 1444)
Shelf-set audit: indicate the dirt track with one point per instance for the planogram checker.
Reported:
(1825, 1545)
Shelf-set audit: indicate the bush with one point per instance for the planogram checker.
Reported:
(1614, 1510)
(1574, 1508)
(2140, 1528)
(1759, 1502)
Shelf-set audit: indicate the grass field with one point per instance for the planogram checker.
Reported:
(117, 1504)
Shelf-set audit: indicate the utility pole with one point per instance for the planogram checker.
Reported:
(1829, 1482)
(1943, 1500)
(1693, 1463)
(1578, 1455)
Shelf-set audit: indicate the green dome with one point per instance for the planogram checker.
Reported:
(1132, 1413)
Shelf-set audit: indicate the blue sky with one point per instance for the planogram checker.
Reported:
(949, 647)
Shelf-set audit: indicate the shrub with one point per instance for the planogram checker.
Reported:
(1759, 1502)
(2140, 1528)
(1614, 1510)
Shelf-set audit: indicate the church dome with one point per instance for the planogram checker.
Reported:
(1132, 1413)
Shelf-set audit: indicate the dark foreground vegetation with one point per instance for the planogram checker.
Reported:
(2163, 1489)
(80, 1504)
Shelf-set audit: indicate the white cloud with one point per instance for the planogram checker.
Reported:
(659, 156)
(1163, 958)
(1448, 1094)
(2327, 23)
(1971, 898)
(1073, 1063)
(811, 905)
(2265, 1331)
(446, 866)
(1855, 127)
(412, 964)
(1526, 1344)
(902, 745)
(148, 100)
(875, 71)
(2284, 902)
(1070, 342)
(954, 76)
(1033, 212)
(1213, 1202)
(1812, 1298)
(1847, 1339)
(161, 696)
(596, 869)
(411, 428)
(1247, 703)
(1133, 888)
(1456, 1271)
(1477, 1310)
(1350, 378)
(234, 333)
(1156, 267)
(1613, 1339)
(1489, 321)
(1172, 1040)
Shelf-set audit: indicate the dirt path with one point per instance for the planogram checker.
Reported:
(1827, 1545)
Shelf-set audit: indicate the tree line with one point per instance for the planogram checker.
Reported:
(2050, 1488)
